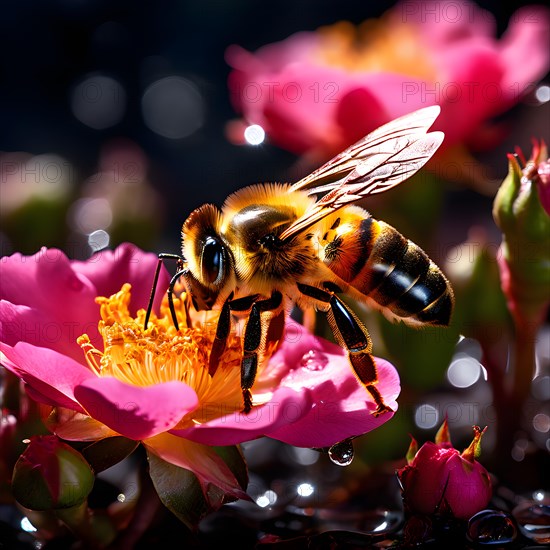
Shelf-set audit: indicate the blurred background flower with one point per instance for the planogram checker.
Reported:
(118, 121)
(316, 93)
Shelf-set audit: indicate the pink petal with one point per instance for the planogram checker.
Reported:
(62, 302)
(343, 407)
(443, 23)
(199, 459)
(49, 301)
(136, 412)
(286, 406)
(52, 374)
(360, 112)
(525, 54)
(108, 270)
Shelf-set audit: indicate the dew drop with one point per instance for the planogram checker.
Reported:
(534, 521)
(314, 360)
(491, 527)
(342, 453)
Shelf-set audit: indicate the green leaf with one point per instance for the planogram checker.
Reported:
(234, 459)
(104, 453)
(179, 490)
(420, 355)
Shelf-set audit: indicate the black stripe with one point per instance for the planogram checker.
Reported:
(389, 249)
(412, 266)
(364, 240)
(439, 313)
(423, 293)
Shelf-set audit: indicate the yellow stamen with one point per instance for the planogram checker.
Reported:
(143, 357)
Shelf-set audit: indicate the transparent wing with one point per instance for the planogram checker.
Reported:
(376, 163)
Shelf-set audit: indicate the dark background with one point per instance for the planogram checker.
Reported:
(47, 47)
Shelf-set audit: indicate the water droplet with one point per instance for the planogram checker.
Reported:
(491, 527)
(342, 453)
(314, 360)
(534, 521)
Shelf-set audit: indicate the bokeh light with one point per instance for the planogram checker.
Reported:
(173, 107)
(254, 134)
(426, 416)
(98, 101)
(542, 94)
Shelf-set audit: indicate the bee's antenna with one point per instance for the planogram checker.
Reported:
(180, 260)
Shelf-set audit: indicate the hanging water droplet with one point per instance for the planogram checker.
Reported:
(314, 360)
(342, 453)
(534, 521)
(491, 527)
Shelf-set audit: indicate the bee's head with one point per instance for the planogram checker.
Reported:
(209, 260)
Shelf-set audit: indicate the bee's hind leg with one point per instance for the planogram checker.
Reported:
(352, 335)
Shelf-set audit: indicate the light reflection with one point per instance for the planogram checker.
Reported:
(89, 215)
(541, 422)
(98, 240)
(464, 371)
(27, 526)
(305, 489)
(426, 416)
(267, 499)
(542, 94)
(254, 134)
(98, 101)
(173, 107)
(121, 497)
(305, 457)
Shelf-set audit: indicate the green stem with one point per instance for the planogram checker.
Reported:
(524, 363)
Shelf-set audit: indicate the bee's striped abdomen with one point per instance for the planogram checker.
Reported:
(395, 273)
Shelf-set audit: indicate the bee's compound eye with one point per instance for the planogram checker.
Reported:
(212, 260)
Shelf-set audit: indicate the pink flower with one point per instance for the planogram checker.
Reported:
(90, 359)
(318, 92)
(440, 480)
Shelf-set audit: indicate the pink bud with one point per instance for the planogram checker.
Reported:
(50, 474)
(441, 480)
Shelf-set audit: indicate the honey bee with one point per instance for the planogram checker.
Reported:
(275, 246)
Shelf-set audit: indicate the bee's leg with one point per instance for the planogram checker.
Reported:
(352, 335)
(180, 272)
(220, 340)
(253, 338)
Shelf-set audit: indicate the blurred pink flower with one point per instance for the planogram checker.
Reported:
(438, 479)
(153, 385)
(318, 92)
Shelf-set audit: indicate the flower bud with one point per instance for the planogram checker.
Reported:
(50, 474)
(441, 480)
(519, 211)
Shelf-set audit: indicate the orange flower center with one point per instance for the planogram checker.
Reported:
(160, 353)
(381, 45)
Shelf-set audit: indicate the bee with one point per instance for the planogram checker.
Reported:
(275, 246)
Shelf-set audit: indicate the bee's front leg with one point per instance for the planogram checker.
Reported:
(352, 335)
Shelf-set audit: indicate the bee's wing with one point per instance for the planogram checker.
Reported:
(376, 163)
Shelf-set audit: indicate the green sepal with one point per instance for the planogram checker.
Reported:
(412, 450)
(233, 457)
(107, 452)
(180, 491)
